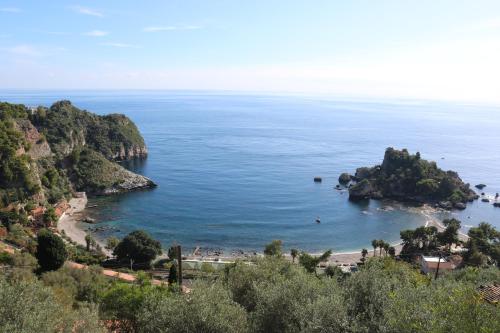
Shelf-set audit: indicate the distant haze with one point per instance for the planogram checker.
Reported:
(446, 49)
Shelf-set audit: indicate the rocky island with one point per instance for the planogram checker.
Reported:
(406, 177)
(47, 154)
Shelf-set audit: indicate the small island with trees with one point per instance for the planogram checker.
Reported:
(409, 178)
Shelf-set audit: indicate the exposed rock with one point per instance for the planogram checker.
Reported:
(318, 179)
(39, 148)
(496, 204)
(360, 191)
(459, 205)
(480, 186)
(344, 178)
(445, 204)
(485, 200)
(376, 195)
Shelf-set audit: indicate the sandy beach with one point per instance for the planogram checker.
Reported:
(67, 222)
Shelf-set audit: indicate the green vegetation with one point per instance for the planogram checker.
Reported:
(80, 147)
(269, 294)
(51, 251)
(92, 172)
(138, 247)
(66, 126)
(408, 177)
(16, 179)
(274, 248)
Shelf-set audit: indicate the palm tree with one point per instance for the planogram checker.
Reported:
(364, 253)
(381, 245)
(294, 253)
(375, 245)
(386, 247)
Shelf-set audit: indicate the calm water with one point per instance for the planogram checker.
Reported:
(235, 172)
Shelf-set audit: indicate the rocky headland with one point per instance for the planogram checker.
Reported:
(409, 178)
(48, 154)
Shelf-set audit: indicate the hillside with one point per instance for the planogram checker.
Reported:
(407, 177)
(38, 149)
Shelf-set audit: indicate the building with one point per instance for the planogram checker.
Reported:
(429, 265)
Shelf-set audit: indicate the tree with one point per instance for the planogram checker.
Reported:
(89, 240)
(310, 262)
(380, 244)
(49, 217)
(172, 274)
(111, 243)
(449, 236)
(364, 253)
(392, 251)
(386, 247)
(51, 251)
(375, 245)
(273, 248)
(138, 246)
(294, 253)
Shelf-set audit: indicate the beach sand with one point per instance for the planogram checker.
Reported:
(68, 220)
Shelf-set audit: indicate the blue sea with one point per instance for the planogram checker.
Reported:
(236, 171)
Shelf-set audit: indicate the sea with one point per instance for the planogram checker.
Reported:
(235, 171)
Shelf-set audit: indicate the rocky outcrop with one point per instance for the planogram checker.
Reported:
(344, 178)
(38, 146)
(406, 177)
(480, 186)
(129, 181)
(128, 153)
(362, 190)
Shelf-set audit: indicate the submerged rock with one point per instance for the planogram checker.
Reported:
(485, 200)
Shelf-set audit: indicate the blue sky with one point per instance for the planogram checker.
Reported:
(439, 49)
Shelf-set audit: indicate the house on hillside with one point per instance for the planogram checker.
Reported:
(429, 265)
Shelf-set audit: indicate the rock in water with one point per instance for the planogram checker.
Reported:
(344, 178)
(318, 179)
(360, 191)
(406, 177)
(480, 186)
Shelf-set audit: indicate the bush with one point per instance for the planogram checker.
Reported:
(139, 247)
(51, 252)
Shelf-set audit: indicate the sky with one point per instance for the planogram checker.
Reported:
(421, 49)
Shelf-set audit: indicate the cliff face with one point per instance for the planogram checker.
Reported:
(406, 177)
(66, 127)
(40, 153)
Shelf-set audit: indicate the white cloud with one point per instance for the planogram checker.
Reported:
(171, 28)
(96, 33)
(24, 50)
(10, 10)
(120, 45)
(87, 11)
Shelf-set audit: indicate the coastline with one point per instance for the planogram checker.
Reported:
(68, 223)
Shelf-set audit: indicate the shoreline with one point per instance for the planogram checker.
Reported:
(68, 223)
(69, 219)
